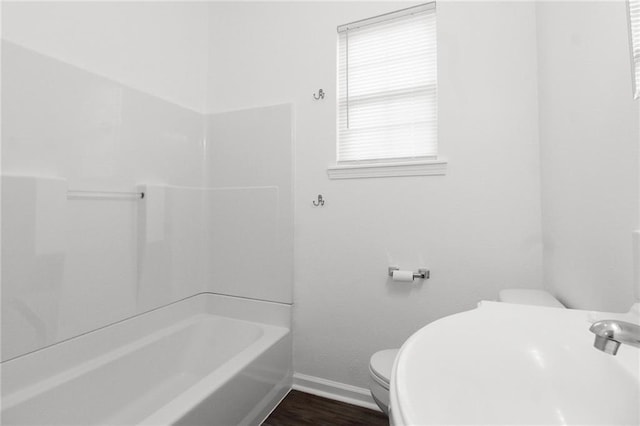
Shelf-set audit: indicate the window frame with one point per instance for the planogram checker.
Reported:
(633, 19)
(386, 167)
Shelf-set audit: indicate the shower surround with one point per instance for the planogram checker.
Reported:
(94, 288)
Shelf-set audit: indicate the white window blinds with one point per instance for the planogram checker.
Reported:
(634, 26)
(387, 87)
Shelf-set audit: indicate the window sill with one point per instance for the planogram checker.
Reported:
(373, 170)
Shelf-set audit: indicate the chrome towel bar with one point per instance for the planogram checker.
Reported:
(104, 195)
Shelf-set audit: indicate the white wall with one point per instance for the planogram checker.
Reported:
(477, 228)
(156, 47)
(589, 153)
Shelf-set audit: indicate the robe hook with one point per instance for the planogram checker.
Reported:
(320, 201)
(319, 96)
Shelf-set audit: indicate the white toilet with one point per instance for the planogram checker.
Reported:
(521, 296)
(380, 366)
(381, 362)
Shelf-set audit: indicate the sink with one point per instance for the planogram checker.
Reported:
(515, 364)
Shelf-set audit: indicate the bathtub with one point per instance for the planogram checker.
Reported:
(205, 360)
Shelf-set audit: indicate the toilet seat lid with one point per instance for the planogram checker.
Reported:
(381, 363)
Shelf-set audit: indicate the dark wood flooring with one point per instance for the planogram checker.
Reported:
(299, 408)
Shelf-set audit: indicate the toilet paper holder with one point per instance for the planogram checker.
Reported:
(422, 273)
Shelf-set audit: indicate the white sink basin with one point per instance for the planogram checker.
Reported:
(514, 364)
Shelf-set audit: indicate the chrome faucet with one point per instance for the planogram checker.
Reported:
(611, 333)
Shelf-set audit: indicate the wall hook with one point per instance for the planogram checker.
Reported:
(319, 96)
(320, 201)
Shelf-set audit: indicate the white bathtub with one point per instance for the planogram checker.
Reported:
(206, 360)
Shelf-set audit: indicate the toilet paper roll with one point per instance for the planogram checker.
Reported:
(404, 276)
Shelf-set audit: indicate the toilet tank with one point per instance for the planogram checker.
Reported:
(521, 296)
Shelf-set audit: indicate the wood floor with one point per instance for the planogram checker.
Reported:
(299, 408)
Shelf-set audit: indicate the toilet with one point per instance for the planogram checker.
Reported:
(380, 366)
(381, 362)
(521, 296)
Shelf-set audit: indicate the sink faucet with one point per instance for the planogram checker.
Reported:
(611, 333)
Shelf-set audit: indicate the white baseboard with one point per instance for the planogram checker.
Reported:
(334, 390)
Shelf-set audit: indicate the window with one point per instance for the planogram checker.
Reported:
(387, 94)
(634, 27)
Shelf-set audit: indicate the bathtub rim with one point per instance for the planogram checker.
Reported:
(272, 320)
(194, 395)
(35, 365)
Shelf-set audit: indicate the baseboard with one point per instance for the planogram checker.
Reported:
(334, 390)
